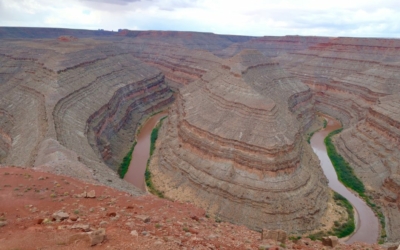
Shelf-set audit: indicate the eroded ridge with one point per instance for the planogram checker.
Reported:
(232, 145)
(73, 107)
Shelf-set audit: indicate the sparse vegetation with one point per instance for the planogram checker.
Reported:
(344, 171)
(339, 229)
(325, 123)
(153, 139)
(310, 135)
(347, 228)
(123, 168)
(347, 176)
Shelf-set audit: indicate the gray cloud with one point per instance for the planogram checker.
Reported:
(117, 2)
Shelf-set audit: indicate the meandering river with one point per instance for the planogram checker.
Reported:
(367, 225)
(141, 152)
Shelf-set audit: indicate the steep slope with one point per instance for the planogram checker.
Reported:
(358, 81)
(72, 107)
(372, 146)
(232, 146)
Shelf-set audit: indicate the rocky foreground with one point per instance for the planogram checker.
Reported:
(45, 211)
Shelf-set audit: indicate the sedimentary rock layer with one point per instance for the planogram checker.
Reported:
(372, 147)
(233, 144)
(179, 64)
(358, 81)
(73, 108)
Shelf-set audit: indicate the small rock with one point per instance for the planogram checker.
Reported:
(194, 217)
(39, 221)
(158, 243)
(277, 235)
(59, 216)
(97, 236)
(111, 214)
(145, 233)
(103, 223)
(3, 223)
(264, 247)
(41, 178)
(46, 221)
(91, 194)
(330, 241)
(144, 218)
(134, 233)
(212, 237)
(83, 227)
(73, 218)
(394, 247)
(79, 237)
(193, 231)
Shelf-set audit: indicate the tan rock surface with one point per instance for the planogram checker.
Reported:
(73, 108)
(357, 81)
(234, 146)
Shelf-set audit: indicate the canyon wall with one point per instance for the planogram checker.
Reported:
(73, 108)
(234, 140)
(233, 144)
(358, 80)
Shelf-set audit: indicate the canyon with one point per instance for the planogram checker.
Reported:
(239, 109)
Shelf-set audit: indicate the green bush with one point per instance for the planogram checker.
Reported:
(124, 166)
(325, 123)
(344, 171)
(147, 174)
(347, 176)
(339, 229)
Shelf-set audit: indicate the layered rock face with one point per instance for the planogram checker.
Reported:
(271, 46)
(233, 145)
(179, 64)
(73, 107)
(358, 81)
(372, 147)
(348, 75)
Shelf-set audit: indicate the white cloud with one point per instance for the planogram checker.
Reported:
(250, 17)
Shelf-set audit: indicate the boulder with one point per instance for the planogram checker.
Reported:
(91, 194)
(83, 227)
(330, 241)
(60, 215)
(277, 235)
(97, 237)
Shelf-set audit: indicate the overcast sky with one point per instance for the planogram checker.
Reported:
(361, 18)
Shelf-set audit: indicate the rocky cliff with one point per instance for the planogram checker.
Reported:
(233, 145)
(73, 108)
(357, 80)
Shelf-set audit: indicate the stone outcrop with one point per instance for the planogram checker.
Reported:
(233, 145)
(73, 108)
